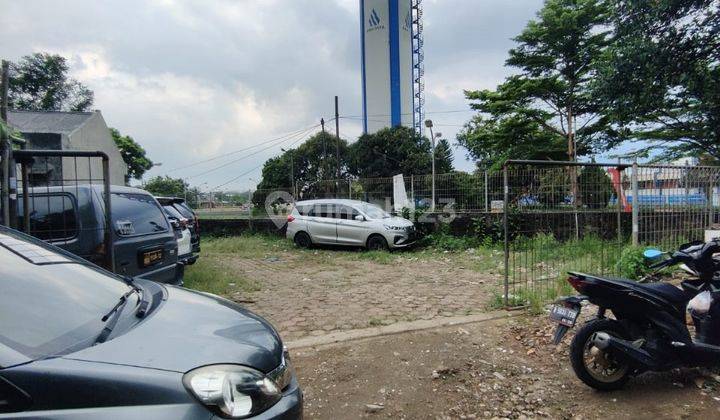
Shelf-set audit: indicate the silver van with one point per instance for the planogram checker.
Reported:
(347, 222)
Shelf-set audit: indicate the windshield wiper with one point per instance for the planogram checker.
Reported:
(144, 301)
(113, 314)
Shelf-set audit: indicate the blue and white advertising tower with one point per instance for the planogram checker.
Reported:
(392, 71)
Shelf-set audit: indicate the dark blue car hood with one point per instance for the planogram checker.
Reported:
(189, 330)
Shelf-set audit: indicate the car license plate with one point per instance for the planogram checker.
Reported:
(151, 257)
(564, 315)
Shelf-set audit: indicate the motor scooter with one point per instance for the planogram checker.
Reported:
(648, 329)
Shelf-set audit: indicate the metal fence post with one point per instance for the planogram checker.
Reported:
(635, 205)
(25, 173)
(507, 238)
(618, 194)
(486, 191)
(350, 189)
(412, 190)
(109, 251)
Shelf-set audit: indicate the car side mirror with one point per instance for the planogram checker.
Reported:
(359, 218)
(174, 222)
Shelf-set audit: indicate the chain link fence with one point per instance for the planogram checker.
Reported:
(593, 217)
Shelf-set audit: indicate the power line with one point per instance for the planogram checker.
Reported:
(254, 168)
(251, 154)
(241, 150)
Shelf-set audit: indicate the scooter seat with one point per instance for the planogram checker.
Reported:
(666, 291)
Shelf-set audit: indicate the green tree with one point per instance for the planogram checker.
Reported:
(396, 150)
(313, 165)
(133, 155)
(10, 133)
(165, 186)
(443, 157)
(596, 187)
(546, 110)
(40, 82)
(393, 151)
(660, 79)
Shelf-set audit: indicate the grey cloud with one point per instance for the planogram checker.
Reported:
(284, 60)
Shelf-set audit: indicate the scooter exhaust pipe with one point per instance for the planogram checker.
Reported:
(624, 349)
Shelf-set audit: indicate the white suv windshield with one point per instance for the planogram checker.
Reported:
(374, 212)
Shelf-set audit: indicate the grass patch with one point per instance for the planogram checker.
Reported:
(247, 245)
(375, 322)
(210, 275)
(380, 257)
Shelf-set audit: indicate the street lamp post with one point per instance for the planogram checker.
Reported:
(429, 124)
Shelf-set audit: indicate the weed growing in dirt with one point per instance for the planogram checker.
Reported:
(375, 322)
(631, 263)
(380, 257)
(210, 275)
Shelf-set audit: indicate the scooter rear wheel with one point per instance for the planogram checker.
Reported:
(597, 368)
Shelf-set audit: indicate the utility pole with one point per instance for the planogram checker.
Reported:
(4, 92)
(324, 156)
(5, 146)
(337, 145)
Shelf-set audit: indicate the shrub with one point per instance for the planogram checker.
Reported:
(631, 263)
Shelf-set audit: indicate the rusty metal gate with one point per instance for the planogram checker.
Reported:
(55, 189)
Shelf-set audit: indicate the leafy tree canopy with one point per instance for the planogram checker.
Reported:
(133, 155)
(39, 82)
(396, 150)
(660, 81)
(313, 164)
(165, 186)
(546, 110)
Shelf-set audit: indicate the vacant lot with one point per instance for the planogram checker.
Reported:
(503, 368)
(313, 292)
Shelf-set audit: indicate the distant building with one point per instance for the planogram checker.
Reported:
(56, 130)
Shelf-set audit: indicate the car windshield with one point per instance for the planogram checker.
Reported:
(374, 212)
(137, 214)
(50, 302)
(184, 210)
(172, 212)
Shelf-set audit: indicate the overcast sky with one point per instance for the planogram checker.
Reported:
(191, 80)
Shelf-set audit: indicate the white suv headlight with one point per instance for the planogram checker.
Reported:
(395, 228)
(232, 390)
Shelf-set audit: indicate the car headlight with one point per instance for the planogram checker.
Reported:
(232, 390)
(395, 228)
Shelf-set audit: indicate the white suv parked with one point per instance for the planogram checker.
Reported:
(347, 222)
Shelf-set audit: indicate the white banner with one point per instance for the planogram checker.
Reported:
(400, 198)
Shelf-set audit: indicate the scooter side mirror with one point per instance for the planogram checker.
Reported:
(652, 253)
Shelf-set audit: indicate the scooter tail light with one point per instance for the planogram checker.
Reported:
(290, 218)
(577, 283)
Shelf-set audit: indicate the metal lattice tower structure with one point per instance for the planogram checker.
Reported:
(418, 58)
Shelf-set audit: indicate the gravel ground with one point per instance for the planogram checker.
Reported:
(496, 369)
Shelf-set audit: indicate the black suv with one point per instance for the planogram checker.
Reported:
(73, 218)
(193, 221)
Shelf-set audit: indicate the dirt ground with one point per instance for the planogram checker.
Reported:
(504, 368)
(496, 369)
